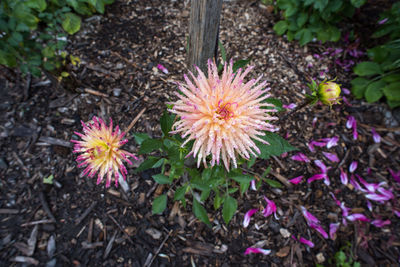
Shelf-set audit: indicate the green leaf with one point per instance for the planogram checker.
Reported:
(159, 204)
(140, 137)
(357, 3)
(48, 180)
(273, 183)
(180, 192)
(217, 201)
(386, 29)
(302, 19)
(147, 164)
(161, 179)
(229, 208)
(359, 85)
(166, 121)
(374, 91)
(391, 78)
(205, 194)
(378, 53)
(39, 5)
(223, 51)
(200, 212)
(71, 23)
(251, 162)
(240, 64)
(290, 11)
(320, 4)
(392, 91)
(277, 145)
(281, 27)
(306, 37)
(149, 145)
(206, 174)
(276, 102)
(242, 178)
(393, 104)
(367, 68)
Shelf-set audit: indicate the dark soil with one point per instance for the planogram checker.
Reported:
(82, 224)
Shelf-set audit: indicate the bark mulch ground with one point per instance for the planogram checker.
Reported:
(73, 222)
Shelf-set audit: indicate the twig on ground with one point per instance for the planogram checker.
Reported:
(9, 211)
(281, 179)
(55, 141)
(135, 120)
(46, 206)
(109, 245)
(120, 228)
(37, 222)
(86, 213)
(94, 92)
(159, 249)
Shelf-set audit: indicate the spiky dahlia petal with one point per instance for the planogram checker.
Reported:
(100, 151)
(224, 115)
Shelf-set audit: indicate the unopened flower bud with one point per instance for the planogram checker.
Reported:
(329, 92)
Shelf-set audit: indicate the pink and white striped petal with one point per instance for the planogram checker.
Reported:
(162, 68)
(357, 217)
(331, 156)
(319, 229)
(253, 185)
(333, 227)
(308, 216)
(300, 157)
(395, 175)
(251, 250)
(350, 122)
(247, 217)
(353, 166)
(321, 165)
(270, 208)
(315, 177)
(331, 142)
(375, 136)
(343, 177)
(296, 180)
(380, 223)
(290, 106)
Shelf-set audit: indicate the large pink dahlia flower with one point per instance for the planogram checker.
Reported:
(223, 115)
(100, 151)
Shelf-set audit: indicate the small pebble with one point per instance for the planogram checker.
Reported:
(285, 233)
(117, 91)
(320, 258)
(154, 233)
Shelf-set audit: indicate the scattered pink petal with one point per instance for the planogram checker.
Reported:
(319, 229)
(314, 121)
(343, 177)
(345, 91)
(354, 183)
(162, 68)
(395, 175)
(357, 217)
(317, 56)
(321, 165)
(315, 177)
(300, 157)
(369, 205)
(355, 133)
(306, 242)
(270, 208)
(353, 166)
(397, 213)
(375, 136)
(331, 156)
(380, 223)
(350, 122)
(386, 192)
(331, 142)
(333, 227)
(346, 101)
(311, 147)
(290, 106)
(308, 216)
(257, 250)
(296, 180)
(377, 197)
(247, 217)
(253, 185)
(383, 21)
(284, 155)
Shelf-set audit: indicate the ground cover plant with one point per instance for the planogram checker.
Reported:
(331, 201)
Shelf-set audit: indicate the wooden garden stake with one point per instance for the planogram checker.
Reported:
(203, 32)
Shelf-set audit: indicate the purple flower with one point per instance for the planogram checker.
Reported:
(290, 106)
(353, 166)
(300, 157)
(380, 223)
(331, 156)
(296, 180)
(247, 217)
(270, 208)
(162, 68)
(343, 177)
(333, 227)
(375, 136)
(257, 250)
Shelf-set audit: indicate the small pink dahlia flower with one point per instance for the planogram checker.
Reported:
(100, 151)
(223, 115)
